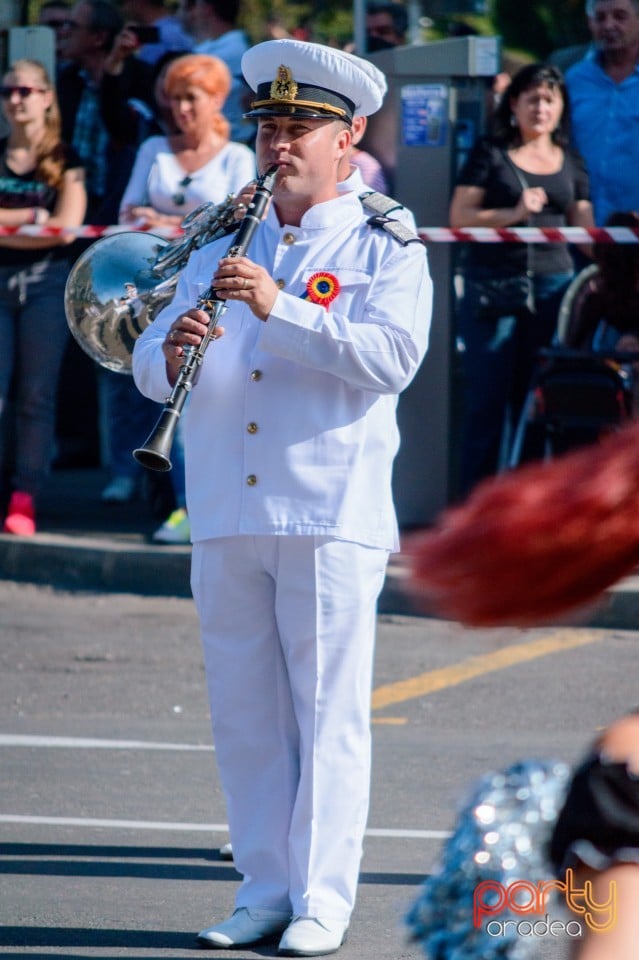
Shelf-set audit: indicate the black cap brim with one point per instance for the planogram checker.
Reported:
(312, 102)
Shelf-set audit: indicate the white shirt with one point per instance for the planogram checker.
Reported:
(291, 427)
(156, 177)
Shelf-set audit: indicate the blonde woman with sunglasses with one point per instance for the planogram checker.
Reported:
(41, 183)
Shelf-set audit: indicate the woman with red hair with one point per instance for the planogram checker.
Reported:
(197, 163)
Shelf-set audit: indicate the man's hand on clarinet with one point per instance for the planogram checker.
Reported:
(238, 278)
(242, 200)
(186, 331)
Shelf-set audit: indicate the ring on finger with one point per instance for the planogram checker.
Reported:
(245, 284)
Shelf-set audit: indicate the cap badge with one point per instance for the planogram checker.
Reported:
(283, 87)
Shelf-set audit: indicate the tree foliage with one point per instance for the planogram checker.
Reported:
(540, 26)
(535, 26)
(327, 21)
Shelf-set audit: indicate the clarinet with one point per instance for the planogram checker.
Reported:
(155, 452)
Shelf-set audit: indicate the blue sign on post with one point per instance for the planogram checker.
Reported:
(424, 114)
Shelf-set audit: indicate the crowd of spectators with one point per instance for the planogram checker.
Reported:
(111, 67)
(150, 154)
(574, 168)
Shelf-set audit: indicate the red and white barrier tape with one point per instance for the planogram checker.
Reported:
(428, 234)
(530, 235)
(87, 230)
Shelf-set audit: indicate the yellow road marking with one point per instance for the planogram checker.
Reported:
(434, 680)
(391, 721)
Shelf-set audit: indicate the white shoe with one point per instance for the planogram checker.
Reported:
(226, 851)
(120, 490)
(175, 529)
(312, 937)
(243, 928)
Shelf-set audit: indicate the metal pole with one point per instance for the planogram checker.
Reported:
(359, 26)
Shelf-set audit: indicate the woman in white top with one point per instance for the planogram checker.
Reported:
(197, 164)
(194, 163)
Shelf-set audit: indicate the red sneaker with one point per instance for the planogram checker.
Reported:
(20, 519)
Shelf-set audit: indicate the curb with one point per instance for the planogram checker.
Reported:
(97, 564)
(94, 564)
(620, 609)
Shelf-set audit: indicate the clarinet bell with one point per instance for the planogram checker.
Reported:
(154, 454)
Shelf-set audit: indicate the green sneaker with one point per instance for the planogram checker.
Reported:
(175, 529)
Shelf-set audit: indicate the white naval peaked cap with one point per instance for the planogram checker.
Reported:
(376, 75)
(297, 78)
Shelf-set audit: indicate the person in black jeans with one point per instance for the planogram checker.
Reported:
(523, 173)
(95, 90)
(42, 183)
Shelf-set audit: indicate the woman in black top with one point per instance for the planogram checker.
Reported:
(524, 174)
(42, 183)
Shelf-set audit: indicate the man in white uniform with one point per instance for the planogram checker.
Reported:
(290, 436)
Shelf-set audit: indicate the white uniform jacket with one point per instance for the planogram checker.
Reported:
(355, 182)
(291, 427)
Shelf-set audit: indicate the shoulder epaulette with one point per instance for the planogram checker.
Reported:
(381, 206)
(379, 203)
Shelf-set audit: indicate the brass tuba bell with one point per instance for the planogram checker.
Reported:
(112, 293)
(119, 285)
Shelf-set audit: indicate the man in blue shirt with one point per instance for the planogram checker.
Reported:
(604, 103)
(171, 36)
(213, 25)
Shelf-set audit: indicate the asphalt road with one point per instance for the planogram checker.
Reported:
(111, 816)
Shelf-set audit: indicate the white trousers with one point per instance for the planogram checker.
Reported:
(288, 634)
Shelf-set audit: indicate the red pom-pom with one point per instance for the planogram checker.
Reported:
(535, 543)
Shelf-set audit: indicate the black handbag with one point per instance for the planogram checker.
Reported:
(503, 296)
(506, 295)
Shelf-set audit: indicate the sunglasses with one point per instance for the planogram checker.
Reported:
(179, 198)
(23, 92)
